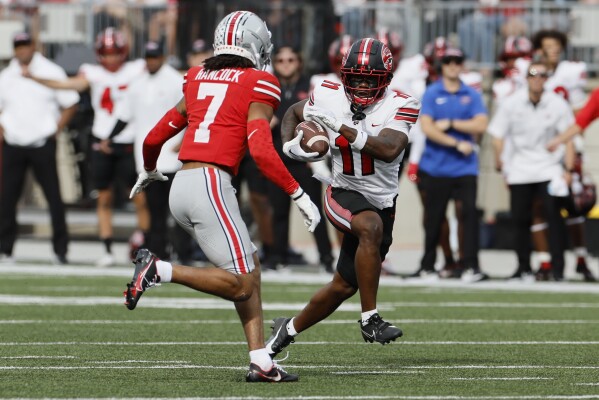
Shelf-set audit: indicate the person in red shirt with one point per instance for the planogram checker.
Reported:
(227, 105)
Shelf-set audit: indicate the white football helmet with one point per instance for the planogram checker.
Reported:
(243, 33)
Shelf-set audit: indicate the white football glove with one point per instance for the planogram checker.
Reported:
(323, 117)
(307, 208)
(144, 179)
(293, 150)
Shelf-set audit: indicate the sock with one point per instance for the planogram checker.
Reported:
(544, 257)
(108, 245)
(261, 358)
(581, 252)
(165, 271)
(366, 315)
(291, 328)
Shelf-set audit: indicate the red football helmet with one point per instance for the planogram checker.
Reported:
(515, 47)
(393, 41)
(367, 61)
(433, 52)
(111, 42)
(337, 50)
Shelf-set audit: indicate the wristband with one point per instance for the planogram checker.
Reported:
(360, 141)
(298, 193)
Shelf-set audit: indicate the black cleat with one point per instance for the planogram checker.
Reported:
(144, 277)
(276, 374)
(582, 268)
(279, 338)
(378, 330)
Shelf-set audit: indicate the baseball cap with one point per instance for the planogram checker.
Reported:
(153, 49)
(199, 46)
(453, 54)
(22, 38)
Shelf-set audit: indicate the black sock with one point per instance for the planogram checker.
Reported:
(108, 245)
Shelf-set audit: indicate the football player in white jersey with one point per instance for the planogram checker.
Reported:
(516, 52)
(368, 128)
(111, 158)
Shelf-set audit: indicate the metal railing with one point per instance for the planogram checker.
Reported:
(311, 26)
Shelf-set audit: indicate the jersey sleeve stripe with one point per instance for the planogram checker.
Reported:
(275, 95)
(409, 110)
(270, 85)
(404, 118)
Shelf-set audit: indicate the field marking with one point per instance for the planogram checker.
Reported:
(85, 271)
(396, 397)
(536, 378)
(325, 322)
(36, 357)
(218, 304)
(587, 384)
(326, 343)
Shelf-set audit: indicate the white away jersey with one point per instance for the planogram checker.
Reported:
(107, 92)
(410, 76)
(568, 80)
(146, 101)
(353, 170)
(317, 79)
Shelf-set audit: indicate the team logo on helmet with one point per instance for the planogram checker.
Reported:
(387, 58)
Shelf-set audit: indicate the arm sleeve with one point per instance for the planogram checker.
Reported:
(567, 118)
(577, 93)
(418, 143)
(589, 112)
(428, 101)
(266, 157)
(169, 125)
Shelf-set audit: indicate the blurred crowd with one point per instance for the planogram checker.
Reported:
(109, 103)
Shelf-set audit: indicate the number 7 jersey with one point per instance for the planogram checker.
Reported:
(356, 170)
(217, 110)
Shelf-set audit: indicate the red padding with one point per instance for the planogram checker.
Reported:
(169, 125)
(266, 157)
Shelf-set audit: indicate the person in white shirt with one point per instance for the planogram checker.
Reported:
(111, 158)
(32, 116)
(528, 120)
(146, 100)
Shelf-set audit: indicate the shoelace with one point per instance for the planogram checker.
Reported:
(281, 359)
(277, 366)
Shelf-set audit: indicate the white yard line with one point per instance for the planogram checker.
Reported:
(321, 343)
(214, 303)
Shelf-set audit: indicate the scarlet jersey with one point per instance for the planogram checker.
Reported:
(107, 94)
(357, 170)
(217, 111)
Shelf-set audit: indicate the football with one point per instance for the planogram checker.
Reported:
(315, 137)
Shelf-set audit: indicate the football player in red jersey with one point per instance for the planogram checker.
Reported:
(111, 157)
(227, 105)
(368, 128)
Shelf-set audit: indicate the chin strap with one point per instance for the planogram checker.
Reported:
(358, 112)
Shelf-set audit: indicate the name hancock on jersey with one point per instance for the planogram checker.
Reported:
(229, 75)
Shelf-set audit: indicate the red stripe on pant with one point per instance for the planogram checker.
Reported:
(228, 224)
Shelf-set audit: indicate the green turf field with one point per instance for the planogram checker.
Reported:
(71, 337)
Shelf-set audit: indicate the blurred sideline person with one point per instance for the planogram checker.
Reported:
(112, 158)
(453, 117)
(568, 79)
(149, 97)
(432, 58)
(199, 52)
(528, 120)
(32, 116)
(368, 129)
(287, 64)
(227, 106)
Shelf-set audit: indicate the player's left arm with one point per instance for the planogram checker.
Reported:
(477, 125)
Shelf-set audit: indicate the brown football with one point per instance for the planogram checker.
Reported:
(315, 137)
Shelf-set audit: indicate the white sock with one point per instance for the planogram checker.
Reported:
(580, 251)
(366, 315)
(291, 328)
(261, 358)
(544, 256)
(165, 271)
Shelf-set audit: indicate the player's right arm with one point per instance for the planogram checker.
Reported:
(78, 83)
(293, 116)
